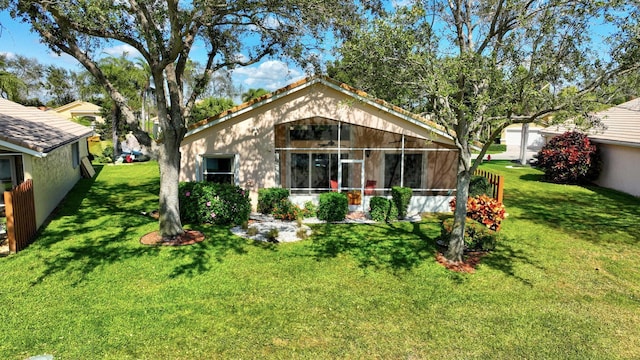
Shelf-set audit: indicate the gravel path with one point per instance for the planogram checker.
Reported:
(288, 230)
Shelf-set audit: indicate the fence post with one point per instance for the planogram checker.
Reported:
(8, 212)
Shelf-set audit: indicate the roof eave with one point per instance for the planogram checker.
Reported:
(22, 149)
(320, 79)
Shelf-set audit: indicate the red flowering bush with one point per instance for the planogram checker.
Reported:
(485, 210)
(569, 158)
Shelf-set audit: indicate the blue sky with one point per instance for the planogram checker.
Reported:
(17, 39)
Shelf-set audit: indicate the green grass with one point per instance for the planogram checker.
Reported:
(563, 284)
(495, 149)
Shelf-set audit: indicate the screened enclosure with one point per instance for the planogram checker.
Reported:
(319, 155)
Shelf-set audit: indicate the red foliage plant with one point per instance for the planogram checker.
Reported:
(485, 210)
(569, 158)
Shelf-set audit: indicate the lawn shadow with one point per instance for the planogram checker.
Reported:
(599, 215)
(397, 246)
(219, 242)
(102, 220)
(503, 259)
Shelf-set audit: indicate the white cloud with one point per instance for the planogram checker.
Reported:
(270, 75)
(127, 50)
(8, 54)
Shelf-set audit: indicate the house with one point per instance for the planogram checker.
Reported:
(78, 109)
(512, 137)
(43, 147)
(619, 144)
(319, 135)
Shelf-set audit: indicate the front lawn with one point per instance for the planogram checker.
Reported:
(564, 284)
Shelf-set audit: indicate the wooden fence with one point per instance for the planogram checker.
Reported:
(496, 181)
(21, 216)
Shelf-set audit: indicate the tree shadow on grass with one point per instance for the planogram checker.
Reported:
(599, 215)
(397, 246)
(101, 222)
(219, 243)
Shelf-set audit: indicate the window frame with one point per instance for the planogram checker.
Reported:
(235, 162)
(423, 168)
(75, 154)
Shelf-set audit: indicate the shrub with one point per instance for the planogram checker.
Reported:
(479, 185)
(309, 210)
(476, 236)
(205, 202)
(569, 158)
(286, 210)
(333, 206)
(382, 209)
(269, 197)
(272, 235)
(485, 210)
(401, 197)
(302, 234)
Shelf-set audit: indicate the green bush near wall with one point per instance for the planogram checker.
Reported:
(206, 202)
(382, 209)
(269, 198)
(333, 206)
(401, 197)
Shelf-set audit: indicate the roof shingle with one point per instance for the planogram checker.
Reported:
(35, 129)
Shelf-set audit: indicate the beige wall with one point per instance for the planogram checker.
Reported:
(620, 168)
(84, 109)
(251, 134)
(53, 176)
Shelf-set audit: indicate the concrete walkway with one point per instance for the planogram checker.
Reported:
(512, 153)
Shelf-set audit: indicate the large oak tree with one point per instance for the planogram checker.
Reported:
(476, 67)
(166, 33)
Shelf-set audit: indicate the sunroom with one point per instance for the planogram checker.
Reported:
(317, 155)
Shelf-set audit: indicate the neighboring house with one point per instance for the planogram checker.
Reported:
(318, 135)
(43, 147)
(512, 137)
(78, 109)
(619, 143)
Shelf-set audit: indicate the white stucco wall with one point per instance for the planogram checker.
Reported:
(620, 169)
(53, 176)
(513, 137)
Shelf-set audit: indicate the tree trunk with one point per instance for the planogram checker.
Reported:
(456, 240)
(115, 118)
(169, 162)
(524, 139)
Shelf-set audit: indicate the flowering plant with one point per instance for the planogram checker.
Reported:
(485, 210)
(205, 202)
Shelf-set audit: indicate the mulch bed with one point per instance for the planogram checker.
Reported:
(468, 265)
(189, 237)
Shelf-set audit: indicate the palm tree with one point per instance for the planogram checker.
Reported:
(253, 94)
(146, 92)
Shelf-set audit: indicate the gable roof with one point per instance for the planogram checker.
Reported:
(622, 125)
(35, 132)
(308, 82)
(78, 103)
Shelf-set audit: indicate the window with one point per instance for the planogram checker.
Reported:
(7, 176)
(318, 132)
(413, 170)
(75, 154)
(315, 170)
(219, 169)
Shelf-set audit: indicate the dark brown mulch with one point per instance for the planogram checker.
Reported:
(468, 265)
(189, 237)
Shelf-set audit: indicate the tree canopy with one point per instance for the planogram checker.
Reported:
(165, 33)
(476, 67)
